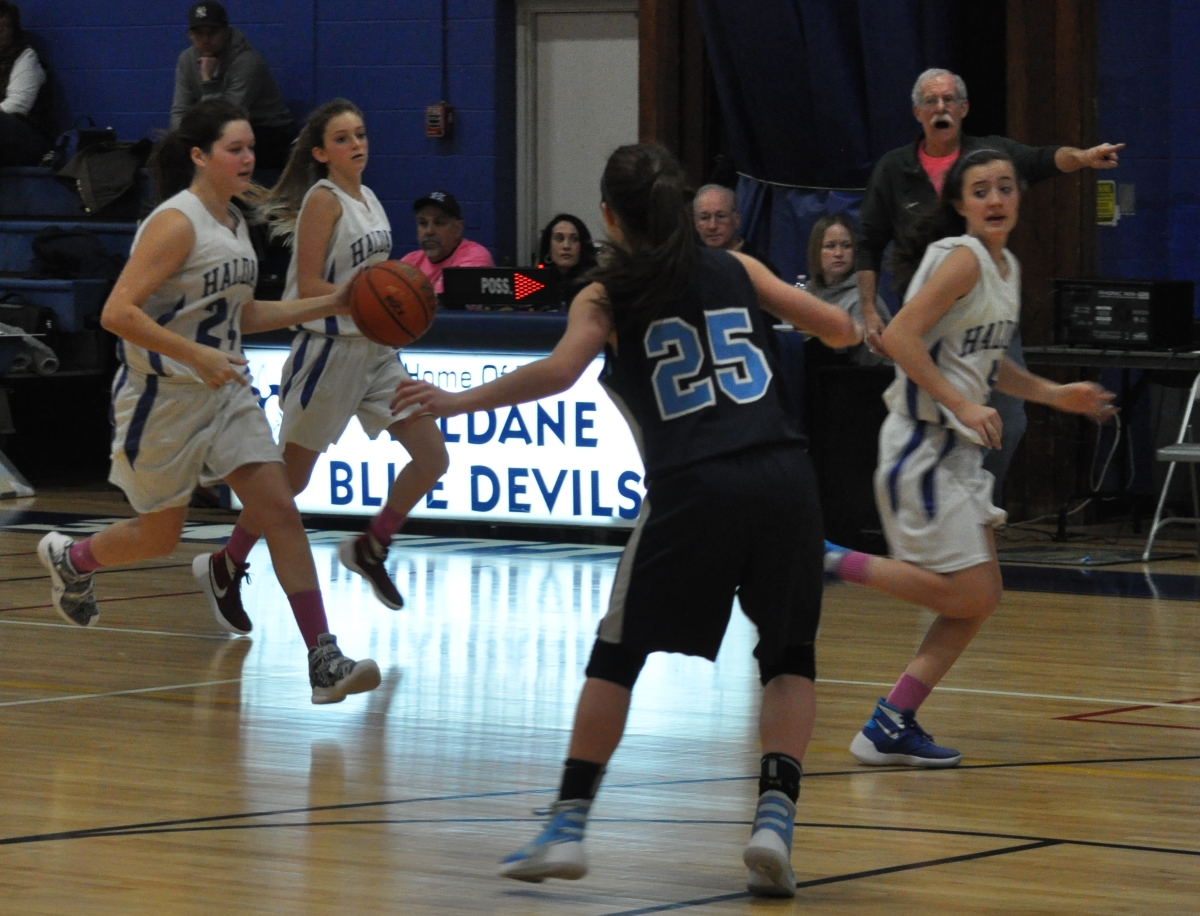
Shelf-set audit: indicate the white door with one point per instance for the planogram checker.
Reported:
(578, 100)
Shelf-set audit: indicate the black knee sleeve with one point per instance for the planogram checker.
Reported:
(798, 660)
(615, 663)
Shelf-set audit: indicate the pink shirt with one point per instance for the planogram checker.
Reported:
(936, 167)
(467, 254)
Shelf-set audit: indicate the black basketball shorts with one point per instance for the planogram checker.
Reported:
(745, 525)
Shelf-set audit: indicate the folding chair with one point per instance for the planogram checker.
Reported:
(1186, 450)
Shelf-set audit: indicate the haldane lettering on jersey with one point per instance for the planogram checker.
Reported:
(370, 244)
(239, 270)
(993, 336)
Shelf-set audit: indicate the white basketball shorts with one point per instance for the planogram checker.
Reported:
(934, 497)
(328, 380)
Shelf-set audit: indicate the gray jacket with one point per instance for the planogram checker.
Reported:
(243, 78)
(845, 296)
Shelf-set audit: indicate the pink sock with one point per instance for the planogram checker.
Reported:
(853, 567)
(309, 611)
(81, 557)
(386, 524)
(909, 693)
(239, 545)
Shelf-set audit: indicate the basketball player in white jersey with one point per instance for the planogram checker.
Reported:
(183, 410)
(337, 227)
(935, 500)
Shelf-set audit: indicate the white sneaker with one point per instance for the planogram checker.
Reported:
(70, 591)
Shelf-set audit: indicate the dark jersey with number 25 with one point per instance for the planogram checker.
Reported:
(699, 379)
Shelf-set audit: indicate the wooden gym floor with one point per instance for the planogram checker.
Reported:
(153, 765)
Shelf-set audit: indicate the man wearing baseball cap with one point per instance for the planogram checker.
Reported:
(440, 237)
(222, 64)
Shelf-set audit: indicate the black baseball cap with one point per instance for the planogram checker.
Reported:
(207, 13)
(443, 199)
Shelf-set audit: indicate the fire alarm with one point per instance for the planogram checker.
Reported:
(439, 119)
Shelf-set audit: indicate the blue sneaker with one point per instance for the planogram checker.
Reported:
(558, 850)
(892, 737)
(833, 559)
(768, 855)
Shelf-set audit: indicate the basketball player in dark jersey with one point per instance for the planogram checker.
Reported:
(731, 506)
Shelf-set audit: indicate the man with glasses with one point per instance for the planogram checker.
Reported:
(908, 180)
(715, 212)
(222, 64)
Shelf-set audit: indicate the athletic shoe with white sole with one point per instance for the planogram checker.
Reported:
(556, 852)
(70, 591)
(892, 737)
(768, 855)
(333, 676)
(223, 589)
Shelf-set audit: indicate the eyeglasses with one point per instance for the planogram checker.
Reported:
(713, 217)
(931, 101)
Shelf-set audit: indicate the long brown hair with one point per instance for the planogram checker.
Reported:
(280, 208)
(645, 188)
(171, 163)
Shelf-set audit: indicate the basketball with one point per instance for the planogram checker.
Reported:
(392, 303)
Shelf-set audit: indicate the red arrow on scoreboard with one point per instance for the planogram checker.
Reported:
(525, 286)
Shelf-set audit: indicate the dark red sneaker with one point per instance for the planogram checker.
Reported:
(223, 591)
(366, 556)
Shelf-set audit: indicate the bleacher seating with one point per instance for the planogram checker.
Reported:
(16, 238)
(35, 193)
(76, 303)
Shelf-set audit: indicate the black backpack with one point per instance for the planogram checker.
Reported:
(71, 254)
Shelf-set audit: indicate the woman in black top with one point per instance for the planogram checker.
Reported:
(566, 253)
(731, 505)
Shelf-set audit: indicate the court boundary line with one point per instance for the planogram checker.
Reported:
(839, 879)
(213, 820)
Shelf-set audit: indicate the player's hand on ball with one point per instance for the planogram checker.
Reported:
(429, 400)
(217, 368)
(984, 421)
(1086, 398)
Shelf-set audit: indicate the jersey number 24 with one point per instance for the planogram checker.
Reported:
(740, 369)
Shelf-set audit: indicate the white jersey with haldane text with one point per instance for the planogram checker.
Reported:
(203, 299)
(362, 236)
(967, 344)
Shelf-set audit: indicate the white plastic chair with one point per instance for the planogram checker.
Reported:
(1185, 450)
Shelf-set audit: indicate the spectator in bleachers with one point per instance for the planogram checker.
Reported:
(717, 219)
(440, 237)
(25, 134)
(222, 64)
(566, 253)
(831, 265)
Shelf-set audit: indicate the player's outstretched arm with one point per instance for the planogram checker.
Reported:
(1086, 398)
(802, 310)
(263, 315)
(588, 327)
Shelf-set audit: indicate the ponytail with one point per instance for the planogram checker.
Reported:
(645, 189)
(170, 162)
(280, 208)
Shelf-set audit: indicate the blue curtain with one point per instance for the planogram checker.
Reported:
(812, 93)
